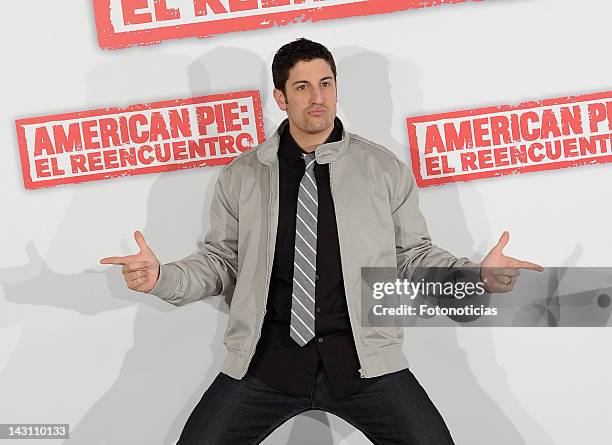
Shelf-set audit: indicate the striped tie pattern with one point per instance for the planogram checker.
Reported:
(305, 260)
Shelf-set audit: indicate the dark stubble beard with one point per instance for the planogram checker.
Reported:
(312, 129)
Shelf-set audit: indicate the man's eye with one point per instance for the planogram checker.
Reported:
(326, 84)
(301, 87)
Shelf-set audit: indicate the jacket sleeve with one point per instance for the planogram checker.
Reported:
(413, 244)
(212, 270)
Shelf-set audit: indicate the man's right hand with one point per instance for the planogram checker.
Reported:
(140, 271)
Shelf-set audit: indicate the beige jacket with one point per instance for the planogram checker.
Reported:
(379, 224)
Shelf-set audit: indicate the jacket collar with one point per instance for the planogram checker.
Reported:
(324, 153)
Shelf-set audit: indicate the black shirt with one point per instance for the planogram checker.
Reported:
(279, 361)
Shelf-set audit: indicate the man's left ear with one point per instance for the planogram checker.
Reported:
(279, 97)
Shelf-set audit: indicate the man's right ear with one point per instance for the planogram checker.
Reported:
(279, 97)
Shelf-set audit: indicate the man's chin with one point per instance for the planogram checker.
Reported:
(319, 127)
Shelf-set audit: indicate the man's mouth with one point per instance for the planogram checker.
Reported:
(317, 111)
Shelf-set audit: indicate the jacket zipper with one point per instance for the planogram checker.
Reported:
(268, 273)
(362, 373)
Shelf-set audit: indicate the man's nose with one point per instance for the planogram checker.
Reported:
(316, 95)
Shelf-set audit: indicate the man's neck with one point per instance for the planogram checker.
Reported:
(307, 141)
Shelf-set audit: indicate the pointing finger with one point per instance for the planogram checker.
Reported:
(115, 260)
(527, 265)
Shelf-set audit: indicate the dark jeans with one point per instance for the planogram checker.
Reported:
(393, 410)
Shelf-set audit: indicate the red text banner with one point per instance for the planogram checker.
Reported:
(123, 23)
(495, 141)
(147, 138)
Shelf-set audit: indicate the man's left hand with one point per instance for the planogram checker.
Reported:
(499, 272)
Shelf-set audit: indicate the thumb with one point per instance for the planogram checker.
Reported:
(503, 240)
(142, 244)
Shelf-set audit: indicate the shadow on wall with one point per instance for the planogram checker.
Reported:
(169, 347)
(176, 353)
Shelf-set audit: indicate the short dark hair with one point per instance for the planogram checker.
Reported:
(291, 53)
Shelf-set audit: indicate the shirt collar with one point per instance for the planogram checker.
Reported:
(289, 151)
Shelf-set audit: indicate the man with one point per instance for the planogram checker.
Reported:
(293, 221)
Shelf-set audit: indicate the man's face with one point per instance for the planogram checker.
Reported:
(310, 96)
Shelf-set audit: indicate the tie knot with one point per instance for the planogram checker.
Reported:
(309, 161)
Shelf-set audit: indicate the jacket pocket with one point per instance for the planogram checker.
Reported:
(382, 336)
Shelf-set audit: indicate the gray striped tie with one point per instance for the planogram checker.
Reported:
(305, 260)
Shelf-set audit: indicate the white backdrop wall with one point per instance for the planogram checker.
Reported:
(121, 367)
